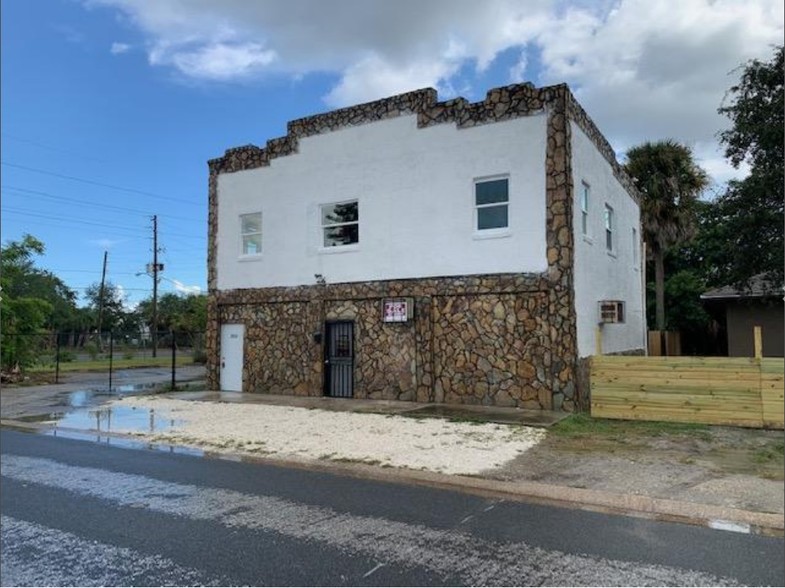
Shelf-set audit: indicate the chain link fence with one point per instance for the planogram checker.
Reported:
(51, 356)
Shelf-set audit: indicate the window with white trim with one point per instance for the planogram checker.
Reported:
(340, 223)
(585, 194)
(491, 201)
(251, 233)
(609, 228)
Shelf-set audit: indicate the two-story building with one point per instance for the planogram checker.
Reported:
(420, 250)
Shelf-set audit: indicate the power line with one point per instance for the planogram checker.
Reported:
(84, 271)
(50, 147)
(24, 212)
(93, 182)
(63, 219)
(113, 284)
(95, 204)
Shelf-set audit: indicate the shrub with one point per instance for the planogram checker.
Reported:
(91, 348)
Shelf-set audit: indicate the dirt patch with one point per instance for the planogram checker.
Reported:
(742, 468)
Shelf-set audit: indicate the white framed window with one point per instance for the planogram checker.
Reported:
(251, 234)
(491, 204)
(585, 196)
(635, 248)
(609, 228)
(340, 223)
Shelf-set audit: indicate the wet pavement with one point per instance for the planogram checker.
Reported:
(460, 412)
(50, 402)
(83, 412)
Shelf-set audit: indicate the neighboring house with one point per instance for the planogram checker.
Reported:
(419, 250)
(759, 304)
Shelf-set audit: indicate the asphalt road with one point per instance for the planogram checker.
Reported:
(84, 513)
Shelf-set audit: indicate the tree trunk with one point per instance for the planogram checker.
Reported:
(659, 287)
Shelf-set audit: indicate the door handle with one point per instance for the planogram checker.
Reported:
(326, 362)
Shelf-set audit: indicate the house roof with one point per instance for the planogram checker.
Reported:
(758, 286)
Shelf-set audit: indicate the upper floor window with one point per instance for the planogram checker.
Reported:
(585, 194)
(491, 200)
(251, 233)
(340, 223)
(609, 228)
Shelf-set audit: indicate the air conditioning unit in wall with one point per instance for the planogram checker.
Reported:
(611, 311)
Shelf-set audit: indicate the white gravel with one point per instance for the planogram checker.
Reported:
(388, 440)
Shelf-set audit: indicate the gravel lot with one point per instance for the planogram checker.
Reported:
(388, 440)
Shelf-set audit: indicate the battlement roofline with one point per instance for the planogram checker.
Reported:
(500, 104)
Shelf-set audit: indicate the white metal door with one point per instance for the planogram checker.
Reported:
(232, 337)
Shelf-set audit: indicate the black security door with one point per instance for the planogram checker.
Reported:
(339, 359)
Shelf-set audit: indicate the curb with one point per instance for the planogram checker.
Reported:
(691, 513)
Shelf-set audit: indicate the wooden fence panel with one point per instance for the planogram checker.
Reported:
(712, 390)
(772, 388)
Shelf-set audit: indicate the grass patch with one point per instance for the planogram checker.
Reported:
(583, 425)
(772, 452)
(117, 363)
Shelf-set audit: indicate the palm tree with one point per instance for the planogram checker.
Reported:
(670, 182)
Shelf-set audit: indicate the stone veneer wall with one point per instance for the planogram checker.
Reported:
(506, 339)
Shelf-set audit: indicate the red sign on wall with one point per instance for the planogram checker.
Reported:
(395, 310)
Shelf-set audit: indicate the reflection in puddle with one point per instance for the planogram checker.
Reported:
(123, 442)
(88, 410)
(82, 398)
(115, 418)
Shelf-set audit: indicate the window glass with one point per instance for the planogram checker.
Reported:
(491, 192)
(609, 222)
(340, 223)
(491, 199)
(585, 209)
(251, 231)
(492, 217)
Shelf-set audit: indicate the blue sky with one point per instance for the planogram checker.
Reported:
(111, 108)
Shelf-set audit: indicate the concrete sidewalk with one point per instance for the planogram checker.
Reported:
(488, 414)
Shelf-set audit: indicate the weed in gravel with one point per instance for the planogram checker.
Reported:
(774, 451)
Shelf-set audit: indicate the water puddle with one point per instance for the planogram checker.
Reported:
(82, 398)
(124, 442)
(117, 418)
(88, 410)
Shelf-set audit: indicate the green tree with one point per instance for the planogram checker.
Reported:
(753, 207)
(177, 312)
(114, 314)
(670, 182)
(23, 315)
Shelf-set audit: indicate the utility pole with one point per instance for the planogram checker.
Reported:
(155, 286)
(101, 301)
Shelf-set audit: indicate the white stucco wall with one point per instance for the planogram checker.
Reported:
(415, 189)
(600, 275)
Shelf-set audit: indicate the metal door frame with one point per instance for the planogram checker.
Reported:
(328, 325)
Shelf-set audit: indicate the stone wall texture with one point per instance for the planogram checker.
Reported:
(502, 339)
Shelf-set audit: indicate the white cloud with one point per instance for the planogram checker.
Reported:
(373, 77)
(643, 69)
(105, 244)
(518, 71)
(183, 289)
(119, 48)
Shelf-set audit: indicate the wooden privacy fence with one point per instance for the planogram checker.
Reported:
(742, 391)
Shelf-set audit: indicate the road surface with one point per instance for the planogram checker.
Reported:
(84, 513)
